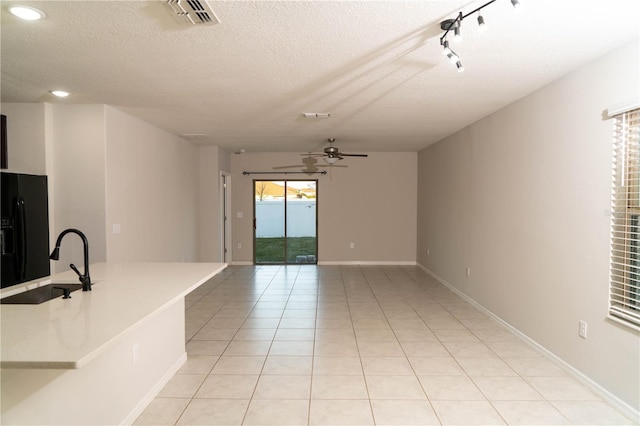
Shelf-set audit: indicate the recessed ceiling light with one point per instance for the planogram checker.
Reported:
(60, 93)
(27, 13)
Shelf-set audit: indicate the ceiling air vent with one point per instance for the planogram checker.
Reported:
(196, 12)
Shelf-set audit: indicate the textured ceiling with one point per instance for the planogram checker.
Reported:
(376, 67)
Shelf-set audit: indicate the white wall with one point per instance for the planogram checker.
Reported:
(522, 197)
(212, 161)
(152, 192)
(371, 203)
(209, 210)
(25, 138)
(224, 160)
(106, 167)
(77, 181)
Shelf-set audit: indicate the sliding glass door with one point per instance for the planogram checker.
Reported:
(285, 221)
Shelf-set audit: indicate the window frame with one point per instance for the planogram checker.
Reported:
(624, 282)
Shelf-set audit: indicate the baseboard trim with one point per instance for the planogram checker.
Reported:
(340, 262)
(155, 390)
(368, 262)
(619, 404)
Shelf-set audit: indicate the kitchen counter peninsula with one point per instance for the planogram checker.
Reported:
(101, 356)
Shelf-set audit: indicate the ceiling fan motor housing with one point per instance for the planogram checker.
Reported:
(332, 151)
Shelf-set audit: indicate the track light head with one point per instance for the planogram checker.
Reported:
(455, 24)
(481, 23)
(456, 33)
(446, 49)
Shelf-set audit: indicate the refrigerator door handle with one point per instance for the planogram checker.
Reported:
(21, 239)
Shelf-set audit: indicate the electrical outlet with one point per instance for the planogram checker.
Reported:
(582, 329)
(239, 246)
(352, 245)
(135, 353)
(428, 252)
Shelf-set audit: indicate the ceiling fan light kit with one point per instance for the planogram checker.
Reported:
(455, 24)
(332, 154)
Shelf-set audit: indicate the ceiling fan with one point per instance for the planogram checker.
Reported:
(309, 165)
(333, 154)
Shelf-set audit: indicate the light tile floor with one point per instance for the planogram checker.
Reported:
(351, 345)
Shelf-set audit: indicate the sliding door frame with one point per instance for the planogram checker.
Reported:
(285, 201)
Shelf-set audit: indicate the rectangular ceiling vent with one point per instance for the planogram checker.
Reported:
(195, 12)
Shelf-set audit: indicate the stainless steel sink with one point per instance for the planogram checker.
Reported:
(39, 295)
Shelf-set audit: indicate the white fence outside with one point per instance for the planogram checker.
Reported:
(301, 218)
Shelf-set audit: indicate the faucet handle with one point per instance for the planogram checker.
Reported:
(84, 279)
(72, 266)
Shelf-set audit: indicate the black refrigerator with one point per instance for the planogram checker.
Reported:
(24, 239)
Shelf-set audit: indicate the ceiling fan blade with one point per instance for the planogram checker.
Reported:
(353, 155)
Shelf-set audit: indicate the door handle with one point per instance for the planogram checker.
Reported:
(21, 228)
(254, 223)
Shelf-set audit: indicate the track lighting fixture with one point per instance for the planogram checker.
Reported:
(446, 50)
(456, 33)
(453, 58)
(452, 24)
(481, 24)
(455, 24)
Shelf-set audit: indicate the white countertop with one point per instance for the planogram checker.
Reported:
(70, 333)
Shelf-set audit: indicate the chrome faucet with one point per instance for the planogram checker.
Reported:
(85, 279)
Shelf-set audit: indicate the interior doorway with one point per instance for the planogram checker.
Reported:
(285, 221)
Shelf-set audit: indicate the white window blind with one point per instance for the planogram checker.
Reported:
(624, 296)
